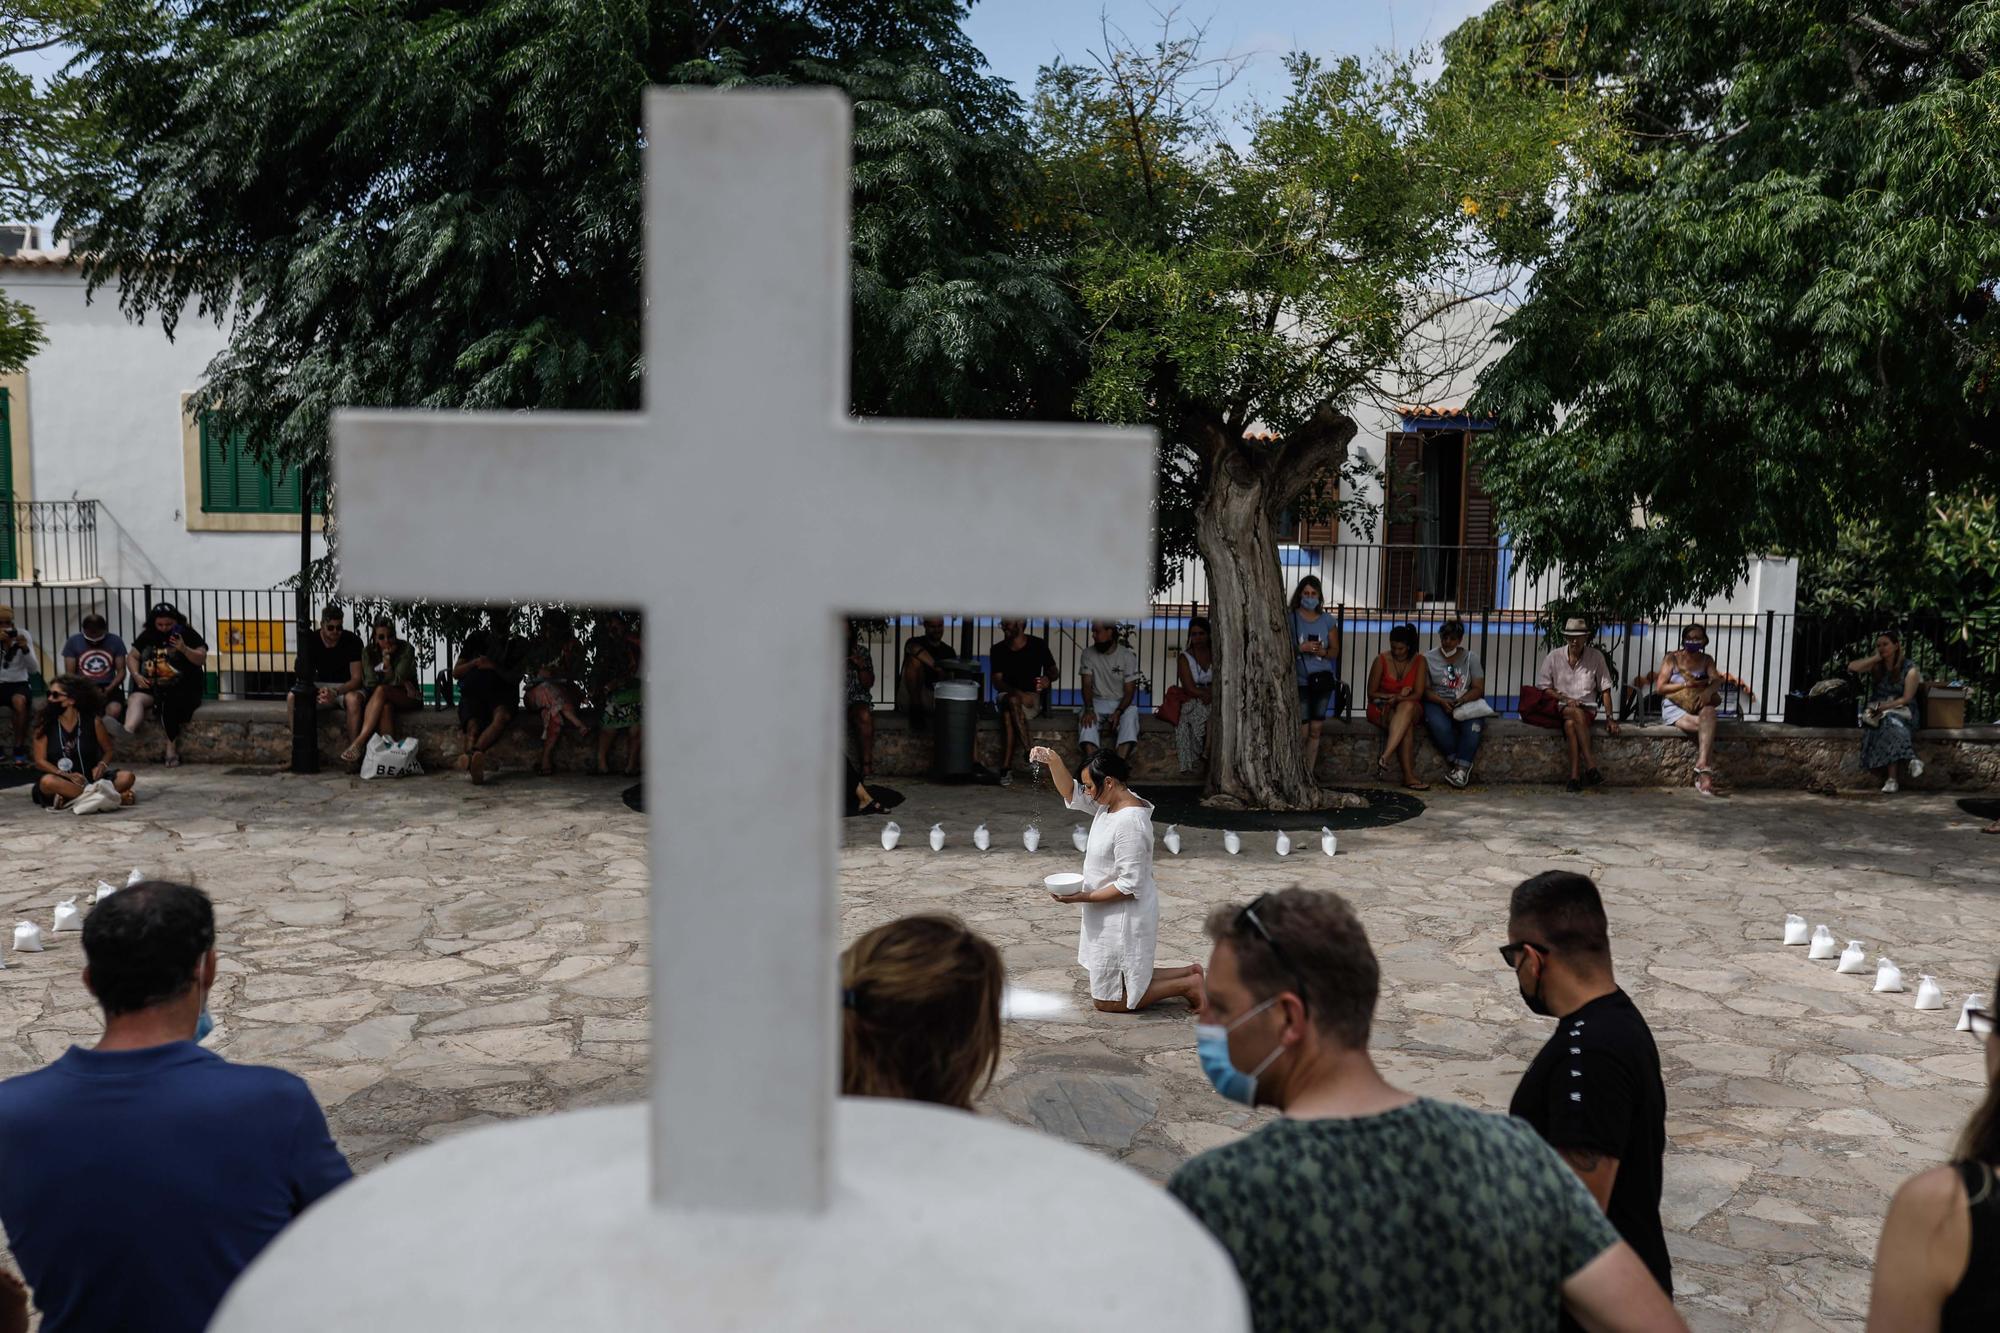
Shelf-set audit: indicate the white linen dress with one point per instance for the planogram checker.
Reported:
(1117, 939)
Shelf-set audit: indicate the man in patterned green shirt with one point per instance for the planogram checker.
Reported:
(1366, 1208)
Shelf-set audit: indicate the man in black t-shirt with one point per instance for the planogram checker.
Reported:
(1023, 667)
(1594, 1092)
(333, 661)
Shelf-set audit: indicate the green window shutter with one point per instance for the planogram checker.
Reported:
(218, 475)
(235, 481)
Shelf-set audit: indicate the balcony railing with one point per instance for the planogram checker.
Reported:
(48, 541)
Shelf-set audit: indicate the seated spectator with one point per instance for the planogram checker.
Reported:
(1110, 672)
(555, 665)
(1316, 649)
(139, 1177)
(1455, 681)
(73, 746)
(1889, 722)
(1397, 682)
(924, 656)
(389, 677)
(617, 659)
(1934, 1265)
(1365, 1206)
(167, 665)
(487, 692)
(920, 1012)
(1023, 668)
(1195, 675)
(333, 664)
(1580, 679)
(861, 697)
(1690, 688)
(98, 655)
(18, 664)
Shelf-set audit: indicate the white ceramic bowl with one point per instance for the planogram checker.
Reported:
(1063, 884)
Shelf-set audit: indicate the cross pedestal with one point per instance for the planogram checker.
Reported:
(744, 511)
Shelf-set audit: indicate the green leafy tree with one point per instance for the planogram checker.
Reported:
(1247, 300)
(401, 204)
(1773, 318)
(37, 127)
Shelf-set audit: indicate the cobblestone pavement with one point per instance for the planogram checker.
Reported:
(434, 957)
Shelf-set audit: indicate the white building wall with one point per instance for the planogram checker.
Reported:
(104, 424)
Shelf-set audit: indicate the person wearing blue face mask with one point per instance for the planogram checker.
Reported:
(193, 1162)
(1316, 647)
(1365, 1206)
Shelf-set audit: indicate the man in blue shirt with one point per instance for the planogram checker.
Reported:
(139, 1177)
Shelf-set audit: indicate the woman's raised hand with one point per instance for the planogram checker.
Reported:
(1043, 755)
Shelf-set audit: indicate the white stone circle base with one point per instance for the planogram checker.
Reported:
(940, 1221)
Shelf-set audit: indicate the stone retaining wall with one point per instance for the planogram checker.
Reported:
(1751, 754)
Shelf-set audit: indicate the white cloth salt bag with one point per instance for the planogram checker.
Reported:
(981, 838)
(1231, 843)
(1031, 837)
(892, 832)
(67, 917)
(1854, 958)
(103, 891)
(1888, 978)
(1928, 994)
(1284, 843)
(1823, 944)
(1327, 842)
(1173, 839)
(1795, 930)
(27, 938)
(937, 837)
(1080, 837)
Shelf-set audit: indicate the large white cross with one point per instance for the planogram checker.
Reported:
(744, 510)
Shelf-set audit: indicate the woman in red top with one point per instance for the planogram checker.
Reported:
(1396, 684)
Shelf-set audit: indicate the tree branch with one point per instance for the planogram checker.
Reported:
(1321, 443)
(1915, 45)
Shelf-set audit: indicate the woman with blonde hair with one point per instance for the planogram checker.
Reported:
(920, 1012)
(1938, 1264)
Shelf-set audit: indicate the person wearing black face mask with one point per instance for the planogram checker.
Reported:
(1595, 1092)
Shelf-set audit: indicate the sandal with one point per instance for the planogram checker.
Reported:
(1416, 786)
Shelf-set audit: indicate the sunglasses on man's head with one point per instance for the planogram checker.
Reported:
(1249, 914)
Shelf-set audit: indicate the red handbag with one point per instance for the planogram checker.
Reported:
(1539, 708)
(1170, 707)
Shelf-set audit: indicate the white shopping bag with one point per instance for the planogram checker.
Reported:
(391, 759)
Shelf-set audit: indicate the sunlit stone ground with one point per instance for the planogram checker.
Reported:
(434, 957)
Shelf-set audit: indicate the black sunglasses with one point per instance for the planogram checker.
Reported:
(1512, 952)
(1249, 913)
(1981, 1021)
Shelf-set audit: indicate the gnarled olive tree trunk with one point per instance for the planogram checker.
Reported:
(1259, 758)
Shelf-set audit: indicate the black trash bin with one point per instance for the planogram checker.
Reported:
(953, 727)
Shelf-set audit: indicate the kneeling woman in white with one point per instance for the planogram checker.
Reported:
(1121, 910)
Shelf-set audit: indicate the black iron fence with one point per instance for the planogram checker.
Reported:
(48, 541)
(1771, 654)
(253, 635)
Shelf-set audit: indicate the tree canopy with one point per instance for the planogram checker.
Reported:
(38, 125)
(410, 204)
(1771, 314)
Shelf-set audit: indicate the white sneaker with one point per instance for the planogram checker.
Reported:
(1916, 768)
(1890, 788)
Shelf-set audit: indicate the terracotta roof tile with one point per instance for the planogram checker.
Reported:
(37, 260)
(1431, 413)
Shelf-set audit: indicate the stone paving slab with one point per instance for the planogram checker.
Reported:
(434, 957)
